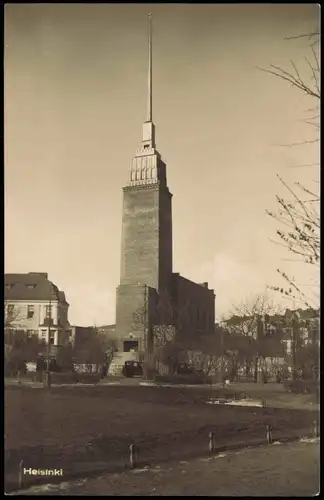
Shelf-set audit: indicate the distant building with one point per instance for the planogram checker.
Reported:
(194, 308)
(34, 304)
(108, 330)
(307, 327)
(79, 335)
(281, 336)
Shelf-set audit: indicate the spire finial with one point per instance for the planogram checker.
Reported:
(148, 127)
(149, 97)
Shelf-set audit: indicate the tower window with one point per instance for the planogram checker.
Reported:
(146, 146)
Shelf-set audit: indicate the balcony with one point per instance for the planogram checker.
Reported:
(50, 322)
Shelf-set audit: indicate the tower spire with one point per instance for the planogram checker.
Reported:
(149, 90)
(148, 127)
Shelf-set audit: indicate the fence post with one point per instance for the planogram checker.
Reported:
(211, 442)
(269, 434)
(132, 455)
(21, 474)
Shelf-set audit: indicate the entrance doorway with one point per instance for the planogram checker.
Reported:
(130, 345)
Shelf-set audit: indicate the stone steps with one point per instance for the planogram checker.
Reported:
(118, 362)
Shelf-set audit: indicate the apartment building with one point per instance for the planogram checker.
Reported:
(36, 305)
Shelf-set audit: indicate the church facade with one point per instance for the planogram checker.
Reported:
(150, 293)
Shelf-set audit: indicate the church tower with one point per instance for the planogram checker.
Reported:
(146, 250)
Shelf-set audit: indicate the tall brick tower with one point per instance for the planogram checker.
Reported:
(146, 250)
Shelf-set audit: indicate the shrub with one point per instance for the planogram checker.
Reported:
(301, 386)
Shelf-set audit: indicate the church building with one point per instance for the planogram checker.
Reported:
(150, 293)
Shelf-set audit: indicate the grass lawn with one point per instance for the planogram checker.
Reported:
(84, 428)
(288, 470)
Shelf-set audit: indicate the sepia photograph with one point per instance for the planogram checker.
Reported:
(162, 249)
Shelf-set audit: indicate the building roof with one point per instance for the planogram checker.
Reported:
(178, 276)
(31, 286)
(303, 314)
(62, 297)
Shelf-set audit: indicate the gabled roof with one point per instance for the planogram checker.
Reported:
(31, 286)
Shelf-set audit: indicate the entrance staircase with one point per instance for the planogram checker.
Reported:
(118, 362)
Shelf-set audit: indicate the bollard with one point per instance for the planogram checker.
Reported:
(132, 455)
(269, 434)
(21, 474)
(211, 442)
(315, 429)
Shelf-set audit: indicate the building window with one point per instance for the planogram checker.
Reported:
(30, 311)
(30, 333)
(48, 311)
(9, 286)
(44, 333)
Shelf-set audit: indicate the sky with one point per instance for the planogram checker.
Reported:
(75, 78)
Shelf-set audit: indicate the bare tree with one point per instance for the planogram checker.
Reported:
(307, 361)
(12, 316)
(308, 84)
(301, 236)
(16, 342)
(305, 349)
(20, 348)
(251, 318)
(164, 330)
(245, 316)
(95, 351)
(207, 357)
(299, 217)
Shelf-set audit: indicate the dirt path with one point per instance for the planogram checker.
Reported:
(278, 470)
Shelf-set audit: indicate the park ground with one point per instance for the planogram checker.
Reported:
(89, 429)
(290, 470)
